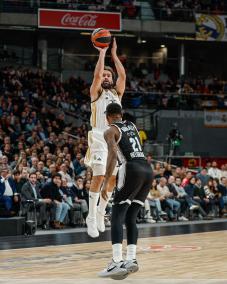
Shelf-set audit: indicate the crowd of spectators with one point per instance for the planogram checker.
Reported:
(126, 7)
(185, 9)
(178, 193)
(33, 136)
(182, 10)
(197, 5)
(159, 90)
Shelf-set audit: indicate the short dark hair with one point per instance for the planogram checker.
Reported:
(16, 172)
(56, 175)
(32, 173)
(113, 108)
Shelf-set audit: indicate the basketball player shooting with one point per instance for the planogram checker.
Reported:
(134, 182)
(105, 89)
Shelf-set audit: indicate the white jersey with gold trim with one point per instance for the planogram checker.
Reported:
(98, 108)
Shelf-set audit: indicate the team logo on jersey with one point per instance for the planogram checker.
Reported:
(97, 158)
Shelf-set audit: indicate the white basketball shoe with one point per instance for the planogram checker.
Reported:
(92, 227)
(114, 270)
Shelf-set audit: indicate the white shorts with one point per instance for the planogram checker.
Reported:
(96, 156)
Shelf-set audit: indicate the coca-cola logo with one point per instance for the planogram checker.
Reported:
(86, 20)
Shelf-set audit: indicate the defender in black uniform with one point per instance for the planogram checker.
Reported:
(134, 183)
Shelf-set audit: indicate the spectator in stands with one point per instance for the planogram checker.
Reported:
(183, 202)
(65, 175)
(68, 197)
(224, 170)
(19, 180)
(190, 190)
(174, 206)
(51, 190)
(214, 172)
(154, 198)
(178, 173)
(51, 142)
(7, 151)
(182, 195)
(4, 161)
(168, 170)
(203, 176)
(222, 188)
(31, 191)
(81, 196)
(149, 160)
(187, 179)
(200, 196)
(51, 170)
(41, 179)
(42, 169)
(212, 193)
(158, 171)
(34, 164)
(147, 217)
(8, 194)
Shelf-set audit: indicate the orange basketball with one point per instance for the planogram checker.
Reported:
(101, 37)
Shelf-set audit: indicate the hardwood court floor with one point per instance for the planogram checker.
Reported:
(185, 257)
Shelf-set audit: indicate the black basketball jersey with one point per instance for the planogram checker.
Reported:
(129, 142)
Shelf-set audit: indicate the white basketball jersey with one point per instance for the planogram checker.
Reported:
(98, 108)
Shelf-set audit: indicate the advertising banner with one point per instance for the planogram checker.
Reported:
(78, 20)
(216, 118)
(211, 27)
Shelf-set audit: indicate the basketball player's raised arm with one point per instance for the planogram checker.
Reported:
(111, 136)
(98, 73)
(121, 80)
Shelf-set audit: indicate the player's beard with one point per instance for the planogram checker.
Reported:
(107, 85)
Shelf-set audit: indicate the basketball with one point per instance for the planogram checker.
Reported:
(101, 37)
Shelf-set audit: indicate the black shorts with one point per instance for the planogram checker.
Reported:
(134, 182)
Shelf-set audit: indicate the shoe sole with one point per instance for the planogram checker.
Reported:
(120, 277)
(116, 276)
(133, 269)
(92, 236)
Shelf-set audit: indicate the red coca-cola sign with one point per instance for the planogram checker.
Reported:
(80, 20)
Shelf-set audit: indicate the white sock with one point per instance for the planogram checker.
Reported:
(103, 203)
(131, 252)
(93, 200)
(117, 252)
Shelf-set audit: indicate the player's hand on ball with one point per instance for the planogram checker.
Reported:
(104, 49)
(104, 194)
(114, 47)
